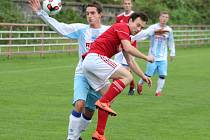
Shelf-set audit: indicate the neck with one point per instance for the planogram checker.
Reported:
(127, 12)
(162, 24)
(96, 25)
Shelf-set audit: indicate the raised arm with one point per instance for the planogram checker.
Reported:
(61, 28)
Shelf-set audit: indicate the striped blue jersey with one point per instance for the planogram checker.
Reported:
(82, 32)
(159, 44)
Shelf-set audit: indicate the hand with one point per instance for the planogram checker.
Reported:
(147, 80)
(160, 31)
(150, 58)
(35, 5)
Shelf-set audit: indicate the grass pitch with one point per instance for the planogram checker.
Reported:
(36, 95)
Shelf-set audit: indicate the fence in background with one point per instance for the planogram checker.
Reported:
(38, 38)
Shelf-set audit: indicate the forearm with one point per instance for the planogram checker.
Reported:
(135, 68)
(53, 23)
(135, 52)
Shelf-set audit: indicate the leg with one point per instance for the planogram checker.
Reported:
(150, 71)
(162, 70)
(123, 77)
(86, 117)
(132, 84)
(132, 88)
(102, 120)
(160, 85)
(81, 88)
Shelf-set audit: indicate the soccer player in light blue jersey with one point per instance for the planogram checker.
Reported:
(84, 96)
(161, 39)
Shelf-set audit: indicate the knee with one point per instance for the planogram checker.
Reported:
(79, 105)
(129, 78)
(162, 76)
(88, 112)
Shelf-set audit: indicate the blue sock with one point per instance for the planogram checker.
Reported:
(76, 114)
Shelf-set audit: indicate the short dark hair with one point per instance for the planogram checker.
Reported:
(164, 12)
(97, 5)
(142, 15)
(131, 1)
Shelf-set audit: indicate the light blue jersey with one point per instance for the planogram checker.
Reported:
(85, 36)
(159, 45)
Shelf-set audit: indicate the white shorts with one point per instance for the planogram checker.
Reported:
(119, 58)
(98, 69)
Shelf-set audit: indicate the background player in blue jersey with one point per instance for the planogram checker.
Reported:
(84, 95)
(161, 38)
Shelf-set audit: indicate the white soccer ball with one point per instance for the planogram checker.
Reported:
(52, 7)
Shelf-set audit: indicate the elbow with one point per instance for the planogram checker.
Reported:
(126, 49)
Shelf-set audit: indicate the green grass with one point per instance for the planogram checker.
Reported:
(36, 95)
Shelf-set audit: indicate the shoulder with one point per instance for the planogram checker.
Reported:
(121, 14)
(169, 28)
(79, 25)
(120, 26)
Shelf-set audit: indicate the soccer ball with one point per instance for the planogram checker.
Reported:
(52, 7)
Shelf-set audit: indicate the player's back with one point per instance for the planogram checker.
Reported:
(108, 43)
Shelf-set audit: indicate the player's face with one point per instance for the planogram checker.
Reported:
(136, 26)
(93, 17)
(163, 19)
(127, 5)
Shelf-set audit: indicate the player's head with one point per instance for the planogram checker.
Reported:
(127, 5)
(94, 14)
(137, 22)
(164, 17)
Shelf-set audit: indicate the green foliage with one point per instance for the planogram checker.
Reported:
(69, 16)
(182, 12)
(8, 12)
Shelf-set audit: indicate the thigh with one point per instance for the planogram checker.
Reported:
(151, 68)
(81, 88)
(162, 67)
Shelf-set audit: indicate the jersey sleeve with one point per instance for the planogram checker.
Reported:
(67, 30)
(144, 34)
(171, 44)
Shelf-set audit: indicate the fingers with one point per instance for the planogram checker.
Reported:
(34, 4)
(148, 81)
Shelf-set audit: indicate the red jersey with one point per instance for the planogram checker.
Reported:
(123, 17)
(108, 43)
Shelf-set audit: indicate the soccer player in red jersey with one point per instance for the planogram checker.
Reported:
(124, 17)
(98, 66)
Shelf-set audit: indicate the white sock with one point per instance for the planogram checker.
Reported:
(74, 126)
(160, 84)
(84, 123)
(141, 81)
